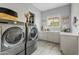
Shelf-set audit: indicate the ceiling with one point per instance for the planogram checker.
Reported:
(47, 6)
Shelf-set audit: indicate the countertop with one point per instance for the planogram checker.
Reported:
(48, 31)
(63, 33)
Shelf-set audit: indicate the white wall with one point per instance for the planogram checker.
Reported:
(23, 8)
(75, 12)
(60, 11)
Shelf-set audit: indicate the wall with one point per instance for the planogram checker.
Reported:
(75, 12)
(23, 8)
(60, 11)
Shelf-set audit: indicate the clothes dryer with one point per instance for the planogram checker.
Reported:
(12, 35)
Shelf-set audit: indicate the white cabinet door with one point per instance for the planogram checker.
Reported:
(53, 37)
(42, 35)
(78, 45)
(69, 44)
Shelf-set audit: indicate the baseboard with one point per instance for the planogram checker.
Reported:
(48, 41)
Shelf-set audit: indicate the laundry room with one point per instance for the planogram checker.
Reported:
(39, 29)
(13, 16)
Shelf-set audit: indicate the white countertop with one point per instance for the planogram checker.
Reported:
(48, 31)
(65, 33)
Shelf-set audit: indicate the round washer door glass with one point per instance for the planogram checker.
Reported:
(12, 35)
(33, 32)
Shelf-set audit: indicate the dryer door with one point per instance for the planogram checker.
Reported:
(12, 36)
(33, 33)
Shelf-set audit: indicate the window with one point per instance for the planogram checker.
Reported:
(53, 21)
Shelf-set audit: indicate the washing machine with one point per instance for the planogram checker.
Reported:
(12, 36)
(32, 39)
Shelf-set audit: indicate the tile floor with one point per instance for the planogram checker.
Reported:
(47, 48)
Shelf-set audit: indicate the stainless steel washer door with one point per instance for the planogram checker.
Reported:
(33, 33)
(12, 36)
